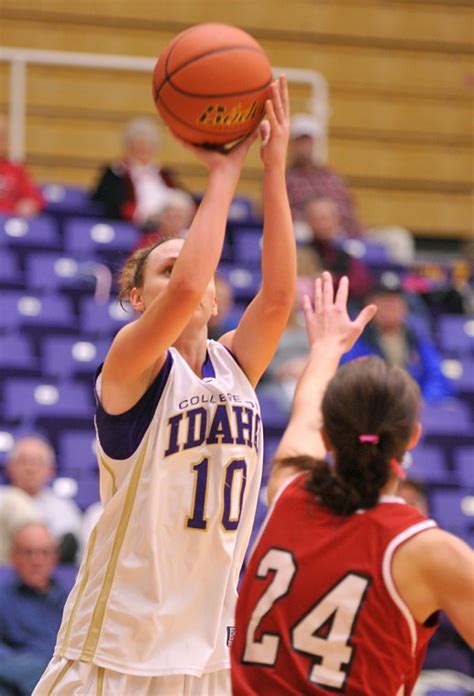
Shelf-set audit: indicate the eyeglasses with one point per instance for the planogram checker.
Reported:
(30, 552)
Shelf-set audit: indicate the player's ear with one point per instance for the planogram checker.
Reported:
(136, 300)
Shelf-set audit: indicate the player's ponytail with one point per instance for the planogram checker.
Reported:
(369, 413)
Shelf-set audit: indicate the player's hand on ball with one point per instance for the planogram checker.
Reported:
(275, 132)
(231, 159)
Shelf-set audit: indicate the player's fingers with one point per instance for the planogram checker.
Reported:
(264, 132)
(276, 100)
(342, 293)
(307, 309)
(270, 112)
(328, 290)
(285, 101)
(318, 295)
(364, 316)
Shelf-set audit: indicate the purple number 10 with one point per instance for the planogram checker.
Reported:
(232, 505)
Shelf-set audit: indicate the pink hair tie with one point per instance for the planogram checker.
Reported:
(369, 438)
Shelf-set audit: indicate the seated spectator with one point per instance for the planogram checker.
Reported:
(391, 337)
(16, 510)
(173, 220)
(324, 222)
(30, 466)
(136, 188)
(18, 193)
(31, 606)
(307, 176)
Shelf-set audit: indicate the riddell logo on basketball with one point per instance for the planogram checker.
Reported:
(216, 114)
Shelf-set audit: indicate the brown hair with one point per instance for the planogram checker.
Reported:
(131, 275)
(365, 397)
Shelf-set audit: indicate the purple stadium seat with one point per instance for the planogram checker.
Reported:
(56, 271)
(76, 452)
(427, 465)
(241, 209)
(70, 200)
(11, 275)
(66, 356)
(87, 490)
(371, 253)
(23, 309)
(455, 334)
(27, 233)
(450, 509)
(273, 415)
(103, 319)
(245, 282)
(248, 247)
(16, 355)
(28, 399)
(465, 466)
(450, 417)
(86, 237)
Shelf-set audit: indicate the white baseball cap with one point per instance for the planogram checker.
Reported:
(304, 124)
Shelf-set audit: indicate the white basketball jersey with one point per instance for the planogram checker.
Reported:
(156, 590)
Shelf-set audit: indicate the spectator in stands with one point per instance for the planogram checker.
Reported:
(18, 193)
(324, 222)
(31, 606)
(391, 337)
(174, 219)
(16, 510)
(136, 188)
(30, 466)
(307, 175)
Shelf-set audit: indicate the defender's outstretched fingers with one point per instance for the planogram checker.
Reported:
(342, 293)
(328, 290)
(318, 296)
(285, 101)
(364, 316)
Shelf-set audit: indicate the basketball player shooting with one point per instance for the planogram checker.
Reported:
(180, 453)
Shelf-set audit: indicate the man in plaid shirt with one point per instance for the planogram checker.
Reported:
(306, 177)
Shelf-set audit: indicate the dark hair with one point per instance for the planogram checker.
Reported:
(365, 397)
(131, 275)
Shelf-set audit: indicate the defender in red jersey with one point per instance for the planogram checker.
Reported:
(345, 580)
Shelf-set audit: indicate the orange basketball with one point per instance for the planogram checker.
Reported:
(210, 84)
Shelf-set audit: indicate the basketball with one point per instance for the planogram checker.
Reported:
(210, 84)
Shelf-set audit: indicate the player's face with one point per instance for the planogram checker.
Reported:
(157, 273)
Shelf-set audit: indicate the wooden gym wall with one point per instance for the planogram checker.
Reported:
(400, 75)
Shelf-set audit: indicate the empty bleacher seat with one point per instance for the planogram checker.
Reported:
(26, 234)
(450, 417)
(427, 465)
(84, 237)
(103, 319)
(245, 282)
(455, 334)
(67, 356)
(453, 510)
(11, 275)
(17, 355)
(77, 452)
(29, 399)
(55, 271)
(248, 246)
(465, 466)
(66, 199)
(23, 309)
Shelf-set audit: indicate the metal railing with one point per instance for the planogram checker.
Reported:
(20, 58)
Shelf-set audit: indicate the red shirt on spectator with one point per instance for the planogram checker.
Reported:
(16, 187)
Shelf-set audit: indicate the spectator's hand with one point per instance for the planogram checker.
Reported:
(275, 132)
(328, 320)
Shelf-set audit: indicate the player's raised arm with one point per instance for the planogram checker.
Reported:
(170, 285)
(331, 333)
(255, 340)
